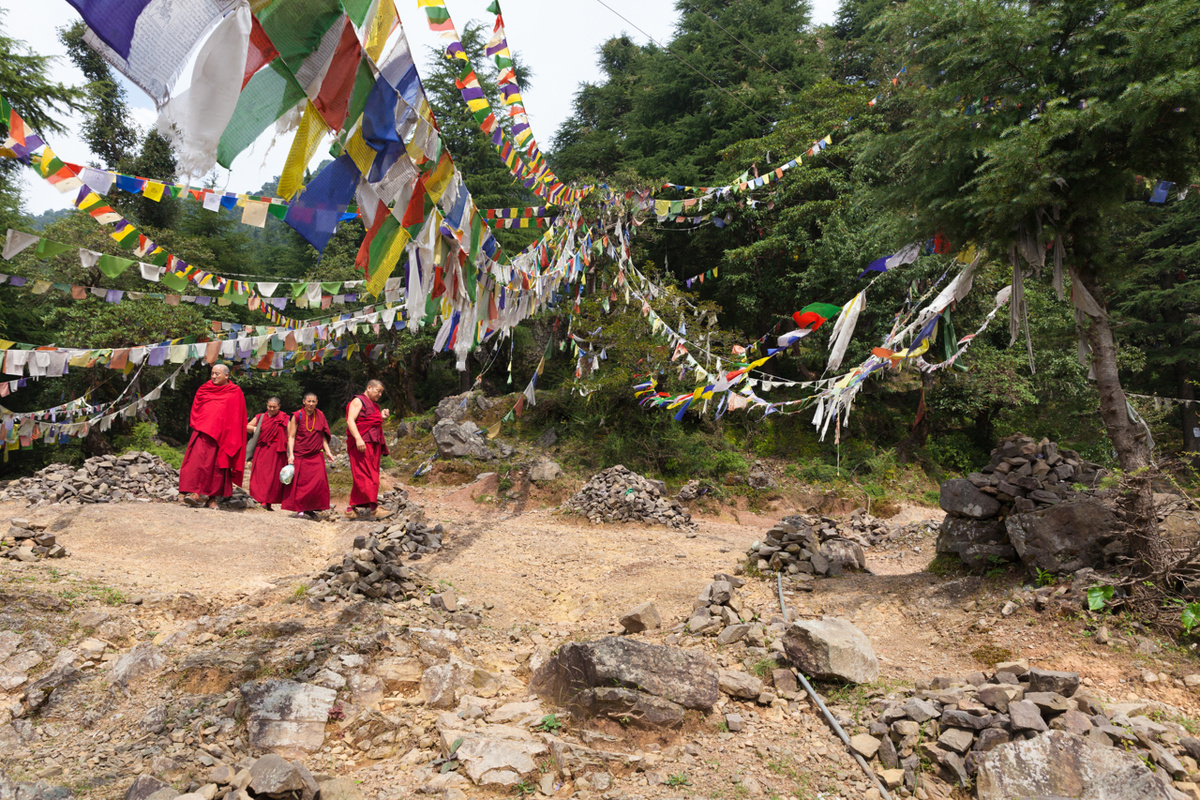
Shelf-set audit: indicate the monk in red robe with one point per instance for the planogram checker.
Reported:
(366, 445)
(215, 459)
(308, 450)
(270, 454)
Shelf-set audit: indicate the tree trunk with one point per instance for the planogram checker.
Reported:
(464, 377)
(1127, 437)
(1187, 412)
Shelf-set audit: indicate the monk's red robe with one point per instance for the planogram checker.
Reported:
(215, 460)
(309, 489)
(270, 456)
(364, 467)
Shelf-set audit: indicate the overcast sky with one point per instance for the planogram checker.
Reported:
(557, 40)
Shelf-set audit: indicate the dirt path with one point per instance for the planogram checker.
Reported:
(148, 547)
(561, 578)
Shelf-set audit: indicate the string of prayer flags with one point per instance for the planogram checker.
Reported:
(534, 174)
(516, 213)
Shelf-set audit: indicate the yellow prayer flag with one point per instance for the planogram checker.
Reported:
(361, 153)
(382, 25)
(153, 190)
(308, 136)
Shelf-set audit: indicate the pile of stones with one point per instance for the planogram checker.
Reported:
(1023, 506)
(1024, 475)
(952, 724)
(374, 567)
(101, 479)
(718, 611)
(270, 777)
(808, 547)
(693, 489)
(29, 541)
(618, 494)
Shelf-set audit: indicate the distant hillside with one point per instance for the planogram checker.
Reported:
(40, 221)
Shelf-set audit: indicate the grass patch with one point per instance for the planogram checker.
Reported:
(764, 667)
(991, 654)
(945, 565)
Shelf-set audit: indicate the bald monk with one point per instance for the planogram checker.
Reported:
(215, 459)
(364, 429)
(308, 450)
(270, 454)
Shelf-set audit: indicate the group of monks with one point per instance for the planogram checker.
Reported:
(215, 460)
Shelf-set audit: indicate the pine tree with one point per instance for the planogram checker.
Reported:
(1027, 123)
(732, 70)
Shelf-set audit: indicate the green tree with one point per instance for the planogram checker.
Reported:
(107, 130)
(112, 136)
(1158, 298)
(26, 85)
(730, 72)
(1025, 124)
(486, 176)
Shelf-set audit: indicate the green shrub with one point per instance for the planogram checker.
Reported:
(142, 439)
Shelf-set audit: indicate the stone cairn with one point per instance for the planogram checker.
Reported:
(30, 542)
(952, 724)
(101, 479)
(618, 494)
(808, 547)
(718, 611)
(1024, 476)
(375, 568)
(1021, 505)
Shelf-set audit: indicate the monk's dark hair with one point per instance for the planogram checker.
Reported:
(309, 394)
(374, 382)
(275, 400)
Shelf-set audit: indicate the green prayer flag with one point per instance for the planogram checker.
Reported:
(267, 96)
(826, 310)
(356, 10)
(48, 249)
(173, 282)
(113, 266)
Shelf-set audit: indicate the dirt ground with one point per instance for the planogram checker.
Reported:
(547, 578)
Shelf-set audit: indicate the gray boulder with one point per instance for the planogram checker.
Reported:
(443, 684)
(684, 677)
(459, 441)
(978, 543)
(1067, 537)
(641, 618)
(960, 498)
(843, 554)
(736, 683)
(286, 714)
(453, 408)
(1059, 764)
(831, 648)
(272, 774)
(1046, 680)
(144, 786)
(143, 659)
(630, 707)
(545, 470)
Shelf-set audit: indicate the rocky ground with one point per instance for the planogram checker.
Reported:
(185, 644)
